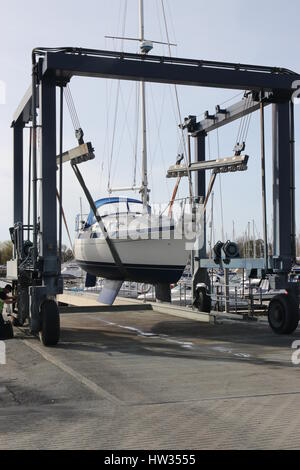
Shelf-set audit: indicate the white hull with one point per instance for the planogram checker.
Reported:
(145, 260)
(153, 249)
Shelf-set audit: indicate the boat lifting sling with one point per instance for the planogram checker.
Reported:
(81, 154)
(99, 220)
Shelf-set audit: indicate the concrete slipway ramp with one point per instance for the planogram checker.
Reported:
(132, 377)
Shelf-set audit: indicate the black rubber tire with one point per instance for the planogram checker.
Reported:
(283, 314)
(50, 323)
(10, 330)
(6, 331)
(203, 300)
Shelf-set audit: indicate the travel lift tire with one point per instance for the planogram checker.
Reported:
(283, 314)
(203, 300)
(50, 323)
(6, 331)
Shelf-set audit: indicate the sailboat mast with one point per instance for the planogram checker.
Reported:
(143, 115)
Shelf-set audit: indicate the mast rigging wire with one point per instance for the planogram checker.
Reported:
(116, 104)
(125, 124)
(158, 127)
(137, 117)
(178, 105)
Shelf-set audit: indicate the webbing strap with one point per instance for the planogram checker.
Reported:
(109, 242)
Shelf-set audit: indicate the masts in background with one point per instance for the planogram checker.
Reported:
(249, 239)
(254, 240)
(81, 215)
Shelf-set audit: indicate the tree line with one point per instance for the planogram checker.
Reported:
(6, 253)
(250, 249)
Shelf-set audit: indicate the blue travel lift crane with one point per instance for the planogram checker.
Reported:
(36, 266)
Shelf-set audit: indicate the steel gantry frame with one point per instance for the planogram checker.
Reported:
(279, 265)
(56, 67)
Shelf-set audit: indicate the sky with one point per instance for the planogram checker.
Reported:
(266, 33)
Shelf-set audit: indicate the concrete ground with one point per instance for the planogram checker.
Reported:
(138, 379)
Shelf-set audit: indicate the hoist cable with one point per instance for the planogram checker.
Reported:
(29, 181)
(244, 122)
(98, 218)
(66, 92)
(247, 127)
(65, 221)
(60, 171)
(72, 109)
(34, 161)
(220, 188)
(240, 127)
(76, 119)
(212, 194)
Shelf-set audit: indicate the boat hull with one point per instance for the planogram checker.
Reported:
(150, 261)
(138, 273)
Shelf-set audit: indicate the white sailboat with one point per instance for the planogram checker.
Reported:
(152, 248)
